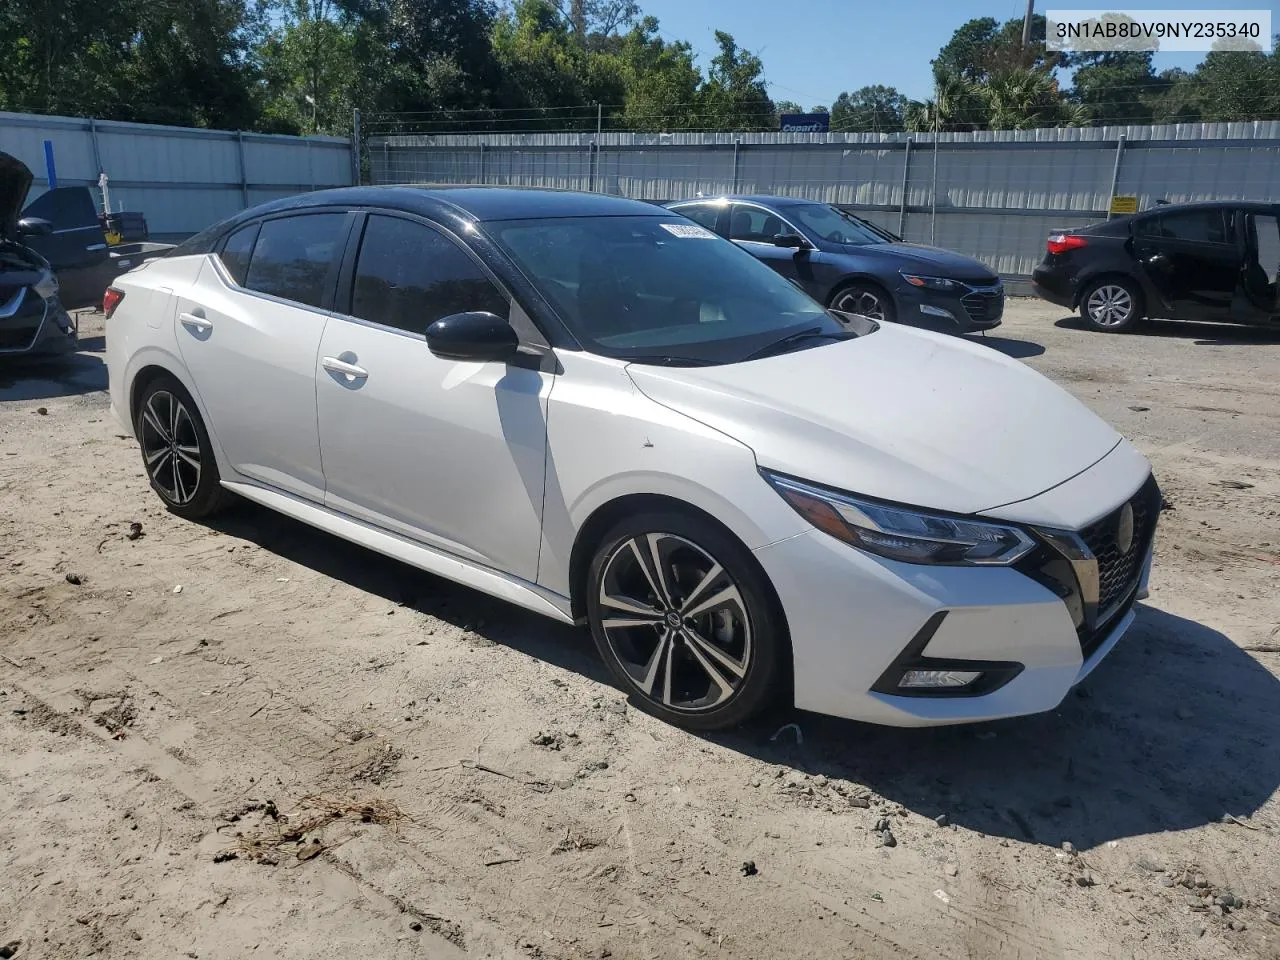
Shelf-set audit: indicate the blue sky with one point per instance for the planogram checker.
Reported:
(814, 49)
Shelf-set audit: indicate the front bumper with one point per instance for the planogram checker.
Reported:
(36, 327)
(970, 309)
(854, 618)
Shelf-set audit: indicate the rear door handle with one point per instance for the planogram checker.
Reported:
(348, 370)
(194, 323)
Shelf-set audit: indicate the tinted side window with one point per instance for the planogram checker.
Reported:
(1194, 226)
(1264, 240)
(293, 254)
(703, 213)
(237, 250)
(408, 276)
(752, 223)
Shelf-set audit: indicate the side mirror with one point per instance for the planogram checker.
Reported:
(790, 240)
(475, 336)
(34, 227)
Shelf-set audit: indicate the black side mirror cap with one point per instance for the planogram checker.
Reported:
(474, 336)
(790, 240)
(34, 227)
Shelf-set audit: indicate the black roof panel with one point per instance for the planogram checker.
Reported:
(475, 202)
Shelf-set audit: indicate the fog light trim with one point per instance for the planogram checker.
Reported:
(911, 672)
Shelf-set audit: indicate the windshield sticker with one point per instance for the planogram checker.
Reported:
(688, 231)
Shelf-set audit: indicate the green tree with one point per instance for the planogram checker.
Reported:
(966, 54)
(1238, 86)
(309, 69)
(64, 56)
(191, 63)
(1174, 97)
(1115, 86)
(163, 61)
(547, 72)
(594, 23)
(1022, 99)
(982, 47)
(660, 81)
(734, 95)
(958, 105)
(877, 109)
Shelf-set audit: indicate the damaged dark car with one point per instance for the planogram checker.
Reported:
(32, 317)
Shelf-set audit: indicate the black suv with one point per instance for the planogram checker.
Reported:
(32, 318)
(1187, 261)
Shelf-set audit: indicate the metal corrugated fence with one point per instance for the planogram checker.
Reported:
(994, 195)
(182, 178)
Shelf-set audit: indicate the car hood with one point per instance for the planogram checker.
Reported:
(15, 181)
(939, 262)
(900, 414)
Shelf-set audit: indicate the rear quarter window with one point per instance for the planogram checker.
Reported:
(237, 250)
(292, 256)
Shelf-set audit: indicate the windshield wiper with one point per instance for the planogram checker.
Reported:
(664, 360)
(793, 338)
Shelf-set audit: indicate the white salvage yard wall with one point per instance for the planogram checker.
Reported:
(181, 178)
(994, 195)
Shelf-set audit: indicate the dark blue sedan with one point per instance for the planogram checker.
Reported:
(854, 266)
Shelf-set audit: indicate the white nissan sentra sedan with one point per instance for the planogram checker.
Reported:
(598, 410)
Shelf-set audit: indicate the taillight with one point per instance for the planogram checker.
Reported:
(1062, 242)
(110, 300)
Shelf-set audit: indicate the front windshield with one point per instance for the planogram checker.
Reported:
(660, 288)
(836, 226)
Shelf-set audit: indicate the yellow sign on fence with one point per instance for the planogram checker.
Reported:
(1124, 204)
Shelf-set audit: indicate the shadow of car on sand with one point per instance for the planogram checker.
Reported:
(1018, 349)
(45, 377)
(1175, 729)
(1203, 334)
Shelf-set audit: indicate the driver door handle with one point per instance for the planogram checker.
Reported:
(194, 323)
(348, 370)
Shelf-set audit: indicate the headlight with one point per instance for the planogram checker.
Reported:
(902, 533)
(47, 286)
(931, 283)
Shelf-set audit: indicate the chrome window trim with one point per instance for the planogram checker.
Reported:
(765, 243)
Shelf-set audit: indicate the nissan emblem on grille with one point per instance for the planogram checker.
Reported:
(1124, 531)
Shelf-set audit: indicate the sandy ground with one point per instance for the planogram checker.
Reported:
(309, 750)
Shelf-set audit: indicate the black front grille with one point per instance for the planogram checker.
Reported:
(18, 330)
(18, 333)
(983, 307)
(1118, 571)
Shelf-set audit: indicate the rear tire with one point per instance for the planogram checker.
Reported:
(1112, 305)
(176, 452)
(686, 621)
(866, 300)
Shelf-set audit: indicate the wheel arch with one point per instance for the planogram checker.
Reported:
(1090, 280)
(603, 518)
(144, 369)
(866, 279)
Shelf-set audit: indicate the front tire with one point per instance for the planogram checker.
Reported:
(866, 300)
(176, 452)
(685, 620)
(1112, 305)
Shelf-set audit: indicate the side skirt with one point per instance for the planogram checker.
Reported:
(486, 580)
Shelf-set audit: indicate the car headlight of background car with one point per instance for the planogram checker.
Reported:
(46, 287)
(941, 284)
(904, 533)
